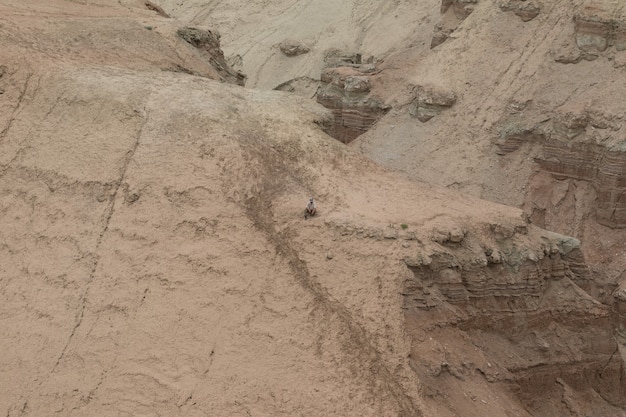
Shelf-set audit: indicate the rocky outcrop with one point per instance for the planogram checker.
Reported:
(599, 29)
(208, 43)
(453, 12)
(302, 86)
(339, 58)
(577, 149)
(346, 90)
(156, 8)
(441, 33)
(429, 101)
(526, 10)
(592, 32)
(492, 277)
(460, 8)
(600, 25)
(581, 144)
(512, 137)
(603, 167)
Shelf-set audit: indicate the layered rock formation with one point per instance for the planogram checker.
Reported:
(582, 145)
(591, 162)
(346, 91)
(526, 129)
(523, 306)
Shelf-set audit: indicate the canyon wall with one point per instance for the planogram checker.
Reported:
(516, 317)
(581, 144)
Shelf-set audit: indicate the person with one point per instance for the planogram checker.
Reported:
(310, 208)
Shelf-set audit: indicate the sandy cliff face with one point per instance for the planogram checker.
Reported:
(252, 33)
(533, 98)
(154, 257)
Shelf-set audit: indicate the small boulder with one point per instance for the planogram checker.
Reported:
(448, 234)
(290, 47)
(430, 101)
(525, 10)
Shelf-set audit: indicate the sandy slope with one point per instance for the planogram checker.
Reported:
(252, 31)
(153, 255)
(494, 62)
(165, 268)
(138, 283)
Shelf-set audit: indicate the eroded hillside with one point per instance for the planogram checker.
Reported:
(154, 257)
(513, 101)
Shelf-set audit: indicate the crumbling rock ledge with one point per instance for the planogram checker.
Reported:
(208, 43)
(519, 303)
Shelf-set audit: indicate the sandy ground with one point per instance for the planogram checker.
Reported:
(251, 33)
